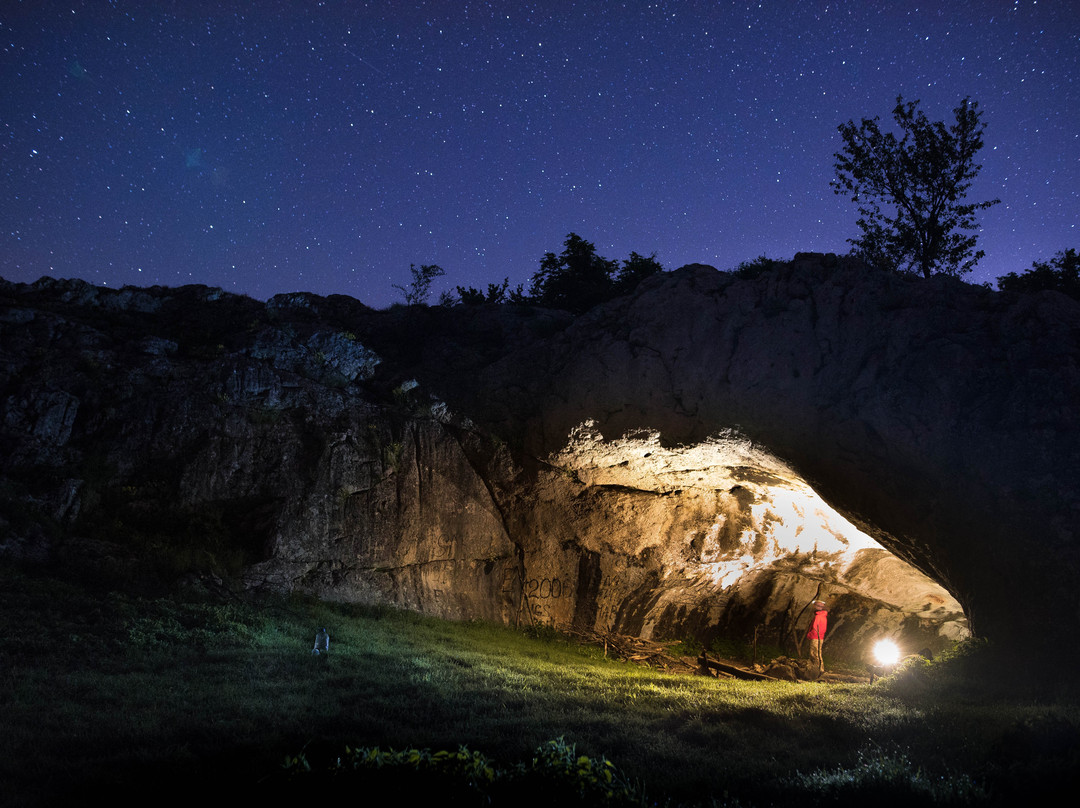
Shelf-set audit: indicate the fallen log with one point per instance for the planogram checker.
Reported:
(733, 670)
(633, 649)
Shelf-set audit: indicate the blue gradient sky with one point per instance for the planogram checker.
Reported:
(324, 146)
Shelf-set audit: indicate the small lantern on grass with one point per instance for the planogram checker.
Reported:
(887, 655)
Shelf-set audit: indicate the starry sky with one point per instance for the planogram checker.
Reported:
(269, 147)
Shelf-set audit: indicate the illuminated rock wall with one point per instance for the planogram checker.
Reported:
(698, 459)
(938, 417)
(715, 539)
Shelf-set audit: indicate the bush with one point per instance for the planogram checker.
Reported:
(556, 770)
(757, 267)
(882, 778)
(418, 290)
(1061, 274)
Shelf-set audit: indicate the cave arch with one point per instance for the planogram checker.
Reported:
(719, 539)
(937, 417)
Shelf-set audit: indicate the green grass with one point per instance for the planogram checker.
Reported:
(104, 692)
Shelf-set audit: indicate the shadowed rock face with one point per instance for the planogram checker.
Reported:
(701, 458)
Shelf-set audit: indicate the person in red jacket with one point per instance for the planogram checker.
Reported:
(817, 636)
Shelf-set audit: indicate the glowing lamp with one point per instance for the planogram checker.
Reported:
(887, 653)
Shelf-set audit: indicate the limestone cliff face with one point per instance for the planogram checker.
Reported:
(700, 458)
(200, 431)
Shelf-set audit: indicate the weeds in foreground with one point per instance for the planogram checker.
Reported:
(555, 769)
(883, 778)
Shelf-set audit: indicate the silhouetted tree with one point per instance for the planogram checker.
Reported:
(496, 293)
(1061, 273)
(517, 295)
(422, 277)
(469, 295)
(634, 270)
(575, 280)
(923, 177)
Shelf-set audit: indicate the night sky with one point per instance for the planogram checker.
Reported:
(325, 146)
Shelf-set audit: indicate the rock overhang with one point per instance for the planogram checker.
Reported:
(934, 417)
(930, 414)
(738, 543)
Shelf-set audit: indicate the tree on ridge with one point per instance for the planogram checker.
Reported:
(578, 278)
(419, 288)
(922, 179)
(1061, 273)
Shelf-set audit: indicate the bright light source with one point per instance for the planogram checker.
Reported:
(886, 653)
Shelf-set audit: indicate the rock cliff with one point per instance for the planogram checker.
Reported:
(700, 458)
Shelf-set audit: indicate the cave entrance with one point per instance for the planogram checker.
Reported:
(724, 543)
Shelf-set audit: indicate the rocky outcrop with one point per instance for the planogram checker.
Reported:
(212, 433)
(938, 417)
(700, 458)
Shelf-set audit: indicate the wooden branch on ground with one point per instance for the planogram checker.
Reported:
(732, 670)
(633, 649)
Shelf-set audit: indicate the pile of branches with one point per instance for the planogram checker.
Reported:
(634, 649)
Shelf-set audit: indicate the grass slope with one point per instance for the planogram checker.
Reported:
(104, 693)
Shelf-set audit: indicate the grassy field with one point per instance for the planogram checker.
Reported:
(105, 693)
